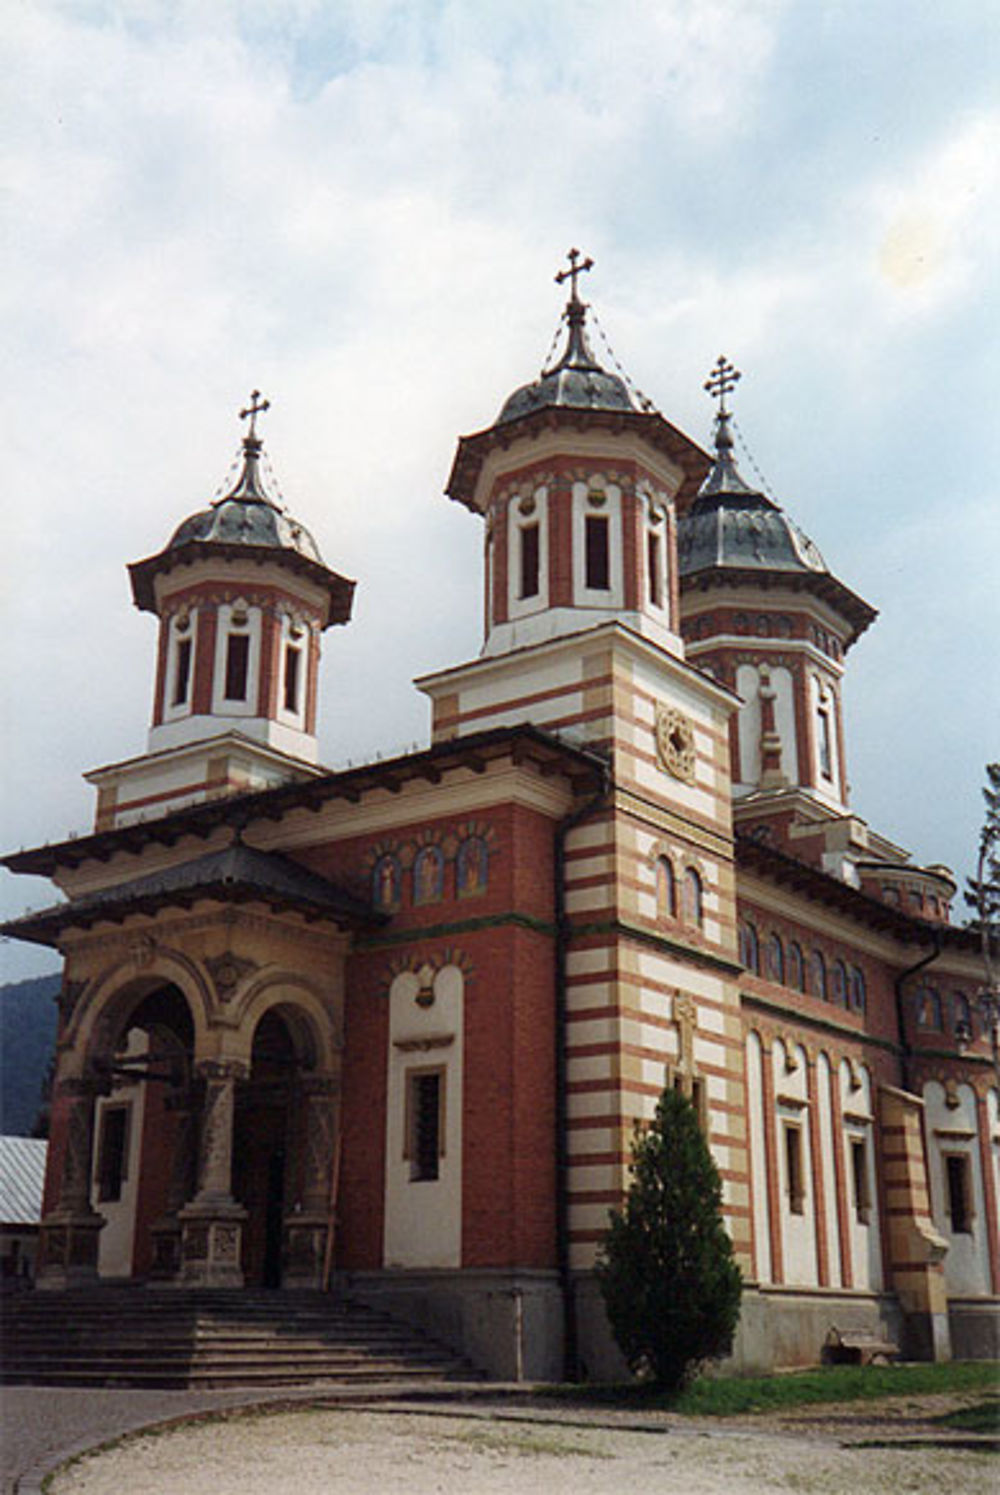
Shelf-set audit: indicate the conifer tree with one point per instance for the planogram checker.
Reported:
(666, 1271)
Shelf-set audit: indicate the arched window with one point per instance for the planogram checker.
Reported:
(961, 1018)
(929, 1009)
(694, 898)
(858, 994)
(473, 867)
(749, 947)
(796, 967)
(666, 889)
(839, 983)
(428, 875)
(817, 975)
(386, 883)
(774, 959)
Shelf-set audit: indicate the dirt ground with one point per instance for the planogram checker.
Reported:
(535, 1450)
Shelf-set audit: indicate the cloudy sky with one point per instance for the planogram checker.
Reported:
(358, 206)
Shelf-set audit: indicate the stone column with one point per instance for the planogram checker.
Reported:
(212, 1224)
(308, 1224)
(69, 1233)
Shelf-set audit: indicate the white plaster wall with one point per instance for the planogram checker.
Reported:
(518, 606)
(798, 1231)
(116, 1241)
(955, 1130)
(583, 596)
(250, 706)
(748, 687)
(865, 1237)
(423, 1219)
(823, 1097)
(758, 1157)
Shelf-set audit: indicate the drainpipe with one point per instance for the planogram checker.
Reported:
(905, 1047)
(563, 931)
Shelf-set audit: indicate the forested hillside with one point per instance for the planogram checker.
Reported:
(27, 1040)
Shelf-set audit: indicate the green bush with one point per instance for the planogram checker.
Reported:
(670, 1284)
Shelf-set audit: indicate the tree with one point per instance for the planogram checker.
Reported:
(666, 1271)
(983, 895)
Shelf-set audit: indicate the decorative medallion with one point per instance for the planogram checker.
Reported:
(675, 743)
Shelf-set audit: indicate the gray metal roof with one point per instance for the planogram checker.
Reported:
(576, 382)
(22, 1178)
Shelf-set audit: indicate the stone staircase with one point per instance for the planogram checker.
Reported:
(129, 1336)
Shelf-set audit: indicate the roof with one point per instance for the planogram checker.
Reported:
(235, 874)
(22, 1179)
(755, 854)
(473, 751)
(734, 534)
(245, 524)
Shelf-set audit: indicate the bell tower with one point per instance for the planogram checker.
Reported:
(242, 596)
(578, 481)
(764, 615)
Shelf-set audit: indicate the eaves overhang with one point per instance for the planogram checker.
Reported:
(855, 611)
(651, 427)
(473, 752)
(779, 867)
(237, 874)
(338, 589)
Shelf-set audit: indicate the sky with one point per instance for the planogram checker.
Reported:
(358, 207)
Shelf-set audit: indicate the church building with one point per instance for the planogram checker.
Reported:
(388, 1030)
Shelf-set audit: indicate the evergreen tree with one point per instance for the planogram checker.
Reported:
(983, 896)
(666, 1270)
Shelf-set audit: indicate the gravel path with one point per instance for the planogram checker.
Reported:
(500, 1450)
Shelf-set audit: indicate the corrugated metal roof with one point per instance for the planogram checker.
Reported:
(22, 1175)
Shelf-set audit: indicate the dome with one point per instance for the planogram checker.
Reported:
(577, 381)
(246, 519)
(733, 525)
(247, 515)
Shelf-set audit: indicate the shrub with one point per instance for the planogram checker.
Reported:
(670, 1284)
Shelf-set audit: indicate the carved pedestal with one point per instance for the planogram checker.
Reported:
(211, 1244)
(67, 1253)
(304, 1250)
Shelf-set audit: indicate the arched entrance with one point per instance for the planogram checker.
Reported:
(283, 1142)
(144, 1136)
(263, 1148)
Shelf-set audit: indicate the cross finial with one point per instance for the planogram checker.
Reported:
(256, 407)
(577, 266)
(722, 381)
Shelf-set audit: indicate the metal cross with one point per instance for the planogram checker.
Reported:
(253, 410)
(722, 381)
(574, 270)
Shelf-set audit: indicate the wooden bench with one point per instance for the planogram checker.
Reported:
(857, 1347)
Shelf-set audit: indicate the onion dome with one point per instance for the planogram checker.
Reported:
(246, 521)
(733, 531)
(577, 381)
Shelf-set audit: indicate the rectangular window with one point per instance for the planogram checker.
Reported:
(529, 560)
(112, 1154)
(597, 554)
(825, 751)
(182, 672)
(859, 1180)
(425, 1123)
(794, 1183)
(237, 666)
(653, 567)
(956, 1168)
(293, 658)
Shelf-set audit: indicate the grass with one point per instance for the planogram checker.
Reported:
(733, 1397)
(981, 1417)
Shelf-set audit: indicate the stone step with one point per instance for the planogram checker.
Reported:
(123, 1336)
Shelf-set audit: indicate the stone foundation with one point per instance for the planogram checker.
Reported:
(509, 1324)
